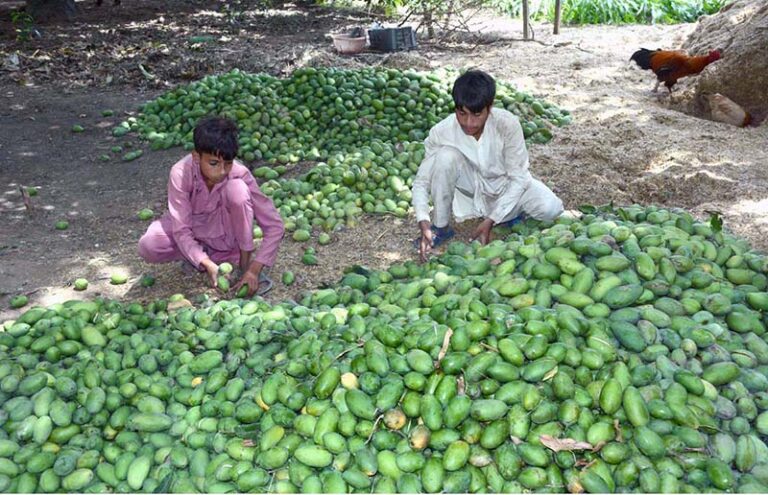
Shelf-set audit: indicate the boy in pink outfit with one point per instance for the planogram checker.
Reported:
(212, 203)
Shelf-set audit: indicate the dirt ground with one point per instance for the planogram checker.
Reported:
(625, 145)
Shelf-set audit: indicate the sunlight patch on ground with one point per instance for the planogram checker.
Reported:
(390, 256)
(527, 84)
(99, 272)
(675, 166)
(613, 107)
(597, 76)
(9, 206)
(285, 13)
(44, 297)
(306, 57)
(746, 13)
(11, 201)
(207, 13)
(730, 163)
(672, 159)
(98, 261)
(55, 295)
(757, 208)
(711, 175)
(109, 270)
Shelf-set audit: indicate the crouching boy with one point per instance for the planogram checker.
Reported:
(213, 201)
(476, 166)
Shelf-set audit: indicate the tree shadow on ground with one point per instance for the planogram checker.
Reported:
(156, 44)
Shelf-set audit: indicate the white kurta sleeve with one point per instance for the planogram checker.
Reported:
(515, 162)
(423, 181)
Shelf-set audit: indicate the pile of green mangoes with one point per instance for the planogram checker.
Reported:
(319, 111)
(376, 179)
(623, 351)
(365, 127)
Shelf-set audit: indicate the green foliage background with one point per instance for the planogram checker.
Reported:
(574, 11)
(615, 11)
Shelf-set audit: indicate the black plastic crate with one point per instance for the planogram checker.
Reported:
(392, 39)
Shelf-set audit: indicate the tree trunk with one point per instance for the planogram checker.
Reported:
(526, 30)
(449, 15)
(558, 8)
(429, 20)
(51, 10)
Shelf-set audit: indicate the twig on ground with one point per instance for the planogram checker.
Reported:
(25, 198)
(578, 47)
(380, 236)
(357, 346)
(373, 430)
(489, 347)
(504, 40)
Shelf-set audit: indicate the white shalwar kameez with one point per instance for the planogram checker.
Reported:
(480, 178)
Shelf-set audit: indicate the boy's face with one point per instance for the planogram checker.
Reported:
(214, 168)
(472, 123)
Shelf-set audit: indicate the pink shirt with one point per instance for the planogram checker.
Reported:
(199, 217)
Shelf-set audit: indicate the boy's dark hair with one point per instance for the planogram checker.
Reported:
(474, 90)
(217, 136)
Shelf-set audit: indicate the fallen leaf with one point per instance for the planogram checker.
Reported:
(599, 445)
(584, 463)
(550, 374)
(183, 303)
(558, 444)
(574, 485)
(446, 343)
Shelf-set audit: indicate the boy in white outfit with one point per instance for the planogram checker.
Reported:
(476, 166)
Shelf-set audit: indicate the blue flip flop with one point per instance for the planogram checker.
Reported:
(265, 284)
(439, 236)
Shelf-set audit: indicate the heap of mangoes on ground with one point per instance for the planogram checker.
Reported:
(361, 130)
(357, 133)
(621, 351)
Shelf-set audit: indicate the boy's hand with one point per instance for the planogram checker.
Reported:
(250, 277)
(213, 271)
(483, 232)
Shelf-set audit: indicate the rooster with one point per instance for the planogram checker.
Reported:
(671, 65)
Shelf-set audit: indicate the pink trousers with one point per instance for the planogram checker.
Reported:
(235, 215)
